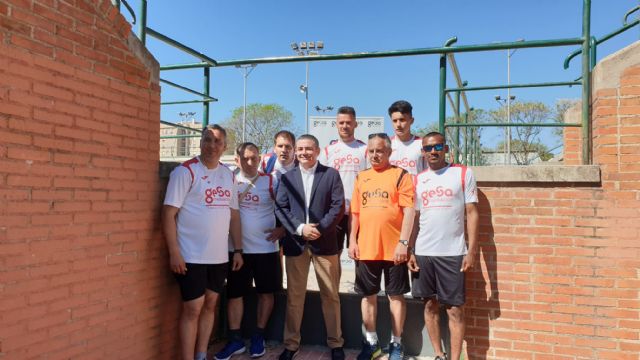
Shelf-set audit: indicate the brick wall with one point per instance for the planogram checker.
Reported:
(82, 264)
(561, 262)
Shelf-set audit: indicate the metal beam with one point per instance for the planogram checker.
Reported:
(207, 61)
(512, 86)
(187, 89)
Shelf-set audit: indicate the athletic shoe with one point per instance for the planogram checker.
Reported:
(337, 353)
(369, 351)
(257, 346)
(441, 357)
(235, 347)
(288, 355)
(395, 351)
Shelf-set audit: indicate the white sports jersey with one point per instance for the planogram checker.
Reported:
(257, 213)
(441, 197)
(407, 155)
(204, 198)
(349, 159)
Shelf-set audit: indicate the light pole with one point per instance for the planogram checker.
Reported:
(246, 69)
(508, 135)
(507, 138)
(306, 48)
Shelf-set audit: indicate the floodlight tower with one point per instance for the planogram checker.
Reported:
(306, 48)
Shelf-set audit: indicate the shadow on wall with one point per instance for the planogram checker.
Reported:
(483, 298)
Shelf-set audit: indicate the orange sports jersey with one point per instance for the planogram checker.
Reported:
(378, 197)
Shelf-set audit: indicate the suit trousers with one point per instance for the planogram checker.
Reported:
(328, 276)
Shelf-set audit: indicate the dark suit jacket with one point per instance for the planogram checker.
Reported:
(326, 208)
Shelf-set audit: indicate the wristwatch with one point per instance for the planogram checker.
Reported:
(404, 242)
(237, 251)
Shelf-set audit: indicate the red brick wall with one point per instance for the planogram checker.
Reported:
(561, 263)
(82, 264)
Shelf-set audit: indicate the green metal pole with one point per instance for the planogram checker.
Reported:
(457, 153)
(142, 25)
(443, 84)
(594, 49)
(466, 139)
(586, 82)
(116, 3)
(205, 106)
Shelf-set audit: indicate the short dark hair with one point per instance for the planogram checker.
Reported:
(434, 133)
(242, 147)
(309, 137)
(285, 134)
(215, 127)
(401, 106)
(347, 110)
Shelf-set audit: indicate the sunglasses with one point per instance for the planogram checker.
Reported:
(428, 148)
(379, 135)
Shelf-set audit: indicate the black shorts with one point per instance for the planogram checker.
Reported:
(439, 277)
(200, 277)
(263, 269)
(369, 273)
(342, 231)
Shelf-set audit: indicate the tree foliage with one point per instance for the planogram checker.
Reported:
(262, 122)
(525, 139)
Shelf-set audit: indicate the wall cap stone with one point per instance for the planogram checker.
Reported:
(538, 173)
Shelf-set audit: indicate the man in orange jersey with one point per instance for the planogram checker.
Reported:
(382, 219)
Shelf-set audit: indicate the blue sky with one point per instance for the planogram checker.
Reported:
(241, 29)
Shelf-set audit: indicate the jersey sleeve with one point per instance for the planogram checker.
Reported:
(233, 202)
(355, 197)
(470, 188)
(406, 191)
(178, 187)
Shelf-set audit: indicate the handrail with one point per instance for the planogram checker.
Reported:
(381, 54)
(209, 61)
(117, 3)
(179, 126)
(187, 89)
(557, 124)
(606, 37)
(626, 15)
(513, 86)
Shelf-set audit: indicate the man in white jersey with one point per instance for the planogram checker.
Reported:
(349, 156)
(406, 146)
(282, 158)
(255, 192)
(200, 212)
(445, 195)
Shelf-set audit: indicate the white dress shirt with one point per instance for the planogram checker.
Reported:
(307, 184)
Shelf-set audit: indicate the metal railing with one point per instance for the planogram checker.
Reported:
(587, 50)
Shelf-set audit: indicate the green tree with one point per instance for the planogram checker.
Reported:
(262, 122)
(525, 139)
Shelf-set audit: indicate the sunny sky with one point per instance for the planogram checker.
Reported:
(240, 29)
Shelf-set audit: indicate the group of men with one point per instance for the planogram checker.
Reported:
(398, 203)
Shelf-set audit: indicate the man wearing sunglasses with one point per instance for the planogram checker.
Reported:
(445, 195)
(406, 146)
(382, 211)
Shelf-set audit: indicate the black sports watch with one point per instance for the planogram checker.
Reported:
(237, 251)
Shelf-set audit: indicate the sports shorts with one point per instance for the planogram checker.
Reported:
(200, 277)
(369, 276)
(262, 269)
(439, 277)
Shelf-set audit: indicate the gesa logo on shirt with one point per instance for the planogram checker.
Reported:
(347, 160)
(437, 194)
(403, 163)
(211, 194)
(376, 194)
(249, 197)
